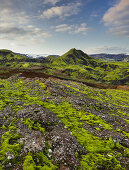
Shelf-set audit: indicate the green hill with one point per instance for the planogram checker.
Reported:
(74, 65)
(126, 59)
(77, 65)
(74, 56)
(10, 59)
(7, 55)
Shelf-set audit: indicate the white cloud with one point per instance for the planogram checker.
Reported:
(73, 29)
(53, 2)
(23, 33)
(16, 24)
(61, 11)
(82, 28)
(63, 27)
(117, 18)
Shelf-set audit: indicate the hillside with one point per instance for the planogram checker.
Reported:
(7, 55)
(77, 65)
(126, 59)
(47, 123)
(73, 57)
(17, 60)
(74, 65)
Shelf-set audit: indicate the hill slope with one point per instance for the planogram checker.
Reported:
(77, 65)
(58, 124)
(74, 56)
(7, 55)
(74, 65)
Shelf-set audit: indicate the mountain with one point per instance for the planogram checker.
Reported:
(11, 59)
(7, 55)
(126, 59)
(74, 65)
(36, 55)
(74, 56)
(110, 57)
(77, 65)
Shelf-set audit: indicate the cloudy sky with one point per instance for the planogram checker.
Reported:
(55, 26)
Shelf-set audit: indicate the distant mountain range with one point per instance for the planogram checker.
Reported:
(35, 55)
(111, 57)
(102, 56)
(39, 55)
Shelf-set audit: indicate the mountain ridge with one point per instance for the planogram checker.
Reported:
(110, 57)
(74, 65)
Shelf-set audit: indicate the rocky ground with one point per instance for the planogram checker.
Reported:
(47, 123)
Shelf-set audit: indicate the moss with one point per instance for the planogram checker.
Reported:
(9, 145)
(4, 127)
(69, 117)
(98, 129)
(42, 85)
(41, 162)
(29, 163)
(33, 125)
(124, 150)
(98, 161)
(92, 119)
(117, 97)
(94, 145)
(97, 148)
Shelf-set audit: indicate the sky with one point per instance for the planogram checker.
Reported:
(56, 26)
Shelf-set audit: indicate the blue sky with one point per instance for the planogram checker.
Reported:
(55, 26)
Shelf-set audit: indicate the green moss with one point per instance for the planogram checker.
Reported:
(29, 163)
(97, 148)
(94, 145)
(4, 127)
(70, 117)
(124, 150)
(33, 125)
(42, 85)
(126, 134)
(98, 129)
(41, 162)
(92, 119)
(98, 161)
(9, 145)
